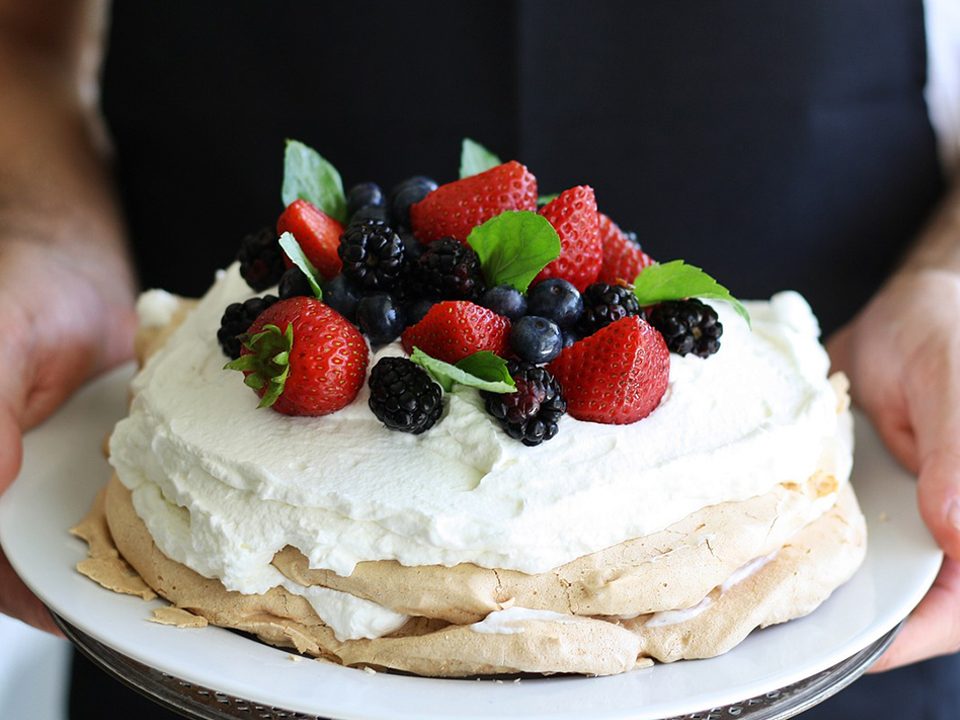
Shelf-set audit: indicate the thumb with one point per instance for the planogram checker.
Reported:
(934, 399)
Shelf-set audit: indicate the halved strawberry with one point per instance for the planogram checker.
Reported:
(622, 257)
(453, 329)
(303, 358)
(317, 233)
(573, 215)
(454, 209)
(615, 376)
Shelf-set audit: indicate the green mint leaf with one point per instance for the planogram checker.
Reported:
(547, 199)
(307, 175)
(268, 362)
(293, 250)
(676, 280)
(492, 371)
(514, 247)
(475, 158)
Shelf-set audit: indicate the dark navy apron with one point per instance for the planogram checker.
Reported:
(778, 144)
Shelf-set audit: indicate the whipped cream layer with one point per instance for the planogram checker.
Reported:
(343, 488)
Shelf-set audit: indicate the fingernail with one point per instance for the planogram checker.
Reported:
(953, 513)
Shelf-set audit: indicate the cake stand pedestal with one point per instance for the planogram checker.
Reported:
(200, 703)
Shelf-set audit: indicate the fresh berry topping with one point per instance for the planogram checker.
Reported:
(406, 193)
(235, 321)
(687, 326)
(416, 310)
(380, 318)
(569, 337)
(317, 233)
(303, 358)
(574, 216)
(557, 300)
(536, 339)
(531, 413)
(454, 209)
(622, 257)
(617, 375)
(449, 270)
(604, 304)
(453, 329)
(261, 260)
(505, 300)
(342, 297)
(403, 397)
(370, 212)
(293, 283)
(366, 194)
(372, 255)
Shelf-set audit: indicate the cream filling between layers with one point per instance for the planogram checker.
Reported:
(344, 489)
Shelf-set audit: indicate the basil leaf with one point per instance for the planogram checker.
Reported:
(307, 175)
(514, 247)
(293, 250)
(475, 158)
(491, 371)
(546, 199)
(676, 280)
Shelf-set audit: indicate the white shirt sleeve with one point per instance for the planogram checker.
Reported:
(943, 79)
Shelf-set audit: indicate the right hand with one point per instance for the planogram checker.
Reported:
(66, 319)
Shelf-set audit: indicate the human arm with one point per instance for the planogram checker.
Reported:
(902, 353)
(66, 286)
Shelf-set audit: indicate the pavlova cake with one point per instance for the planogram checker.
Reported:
(467, 430)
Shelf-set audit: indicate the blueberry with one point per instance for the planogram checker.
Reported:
(415, 310)
(342, 297)
(406, 193)
(505, 300)
(366, 194)
(380, 318)
(536, 339)
(370, 212)
(294, 283)
(413, 248)
(569, 337)
(556, 300)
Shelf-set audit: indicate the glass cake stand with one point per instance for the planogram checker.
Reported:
(194, 701)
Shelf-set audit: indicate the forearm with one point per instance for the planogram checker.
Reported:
(55, 185)
(938, 246)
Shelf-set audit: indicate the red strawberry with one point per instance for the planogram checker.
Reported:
(453, 329)
(574, 216)
(615, 376)
(454, 209)
(325, 356)
(622, 258)
(317, 233)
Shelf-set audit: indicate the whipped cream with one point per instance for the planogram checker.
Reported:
(509, 621)
(343, 489)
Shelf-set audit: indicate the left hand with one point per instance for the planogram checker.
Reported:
(902, 354)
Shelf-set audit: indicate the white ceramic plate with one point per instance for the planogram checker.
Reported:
(64, 467)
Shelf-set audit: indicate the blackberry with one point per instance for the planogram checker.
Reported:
(261, 259)
(449, 270)
(372, 255)
(403, 397)
(531, 413)
(235, 321)
(688, 326)
(604, 304)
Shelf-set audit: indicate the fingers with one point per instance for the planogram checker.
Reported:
(934, 396)
(12, 448)
(933, 628)
(17, 601)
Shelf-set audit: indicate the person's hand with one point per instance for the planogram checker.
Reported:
(65, 319)
(902, 353)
